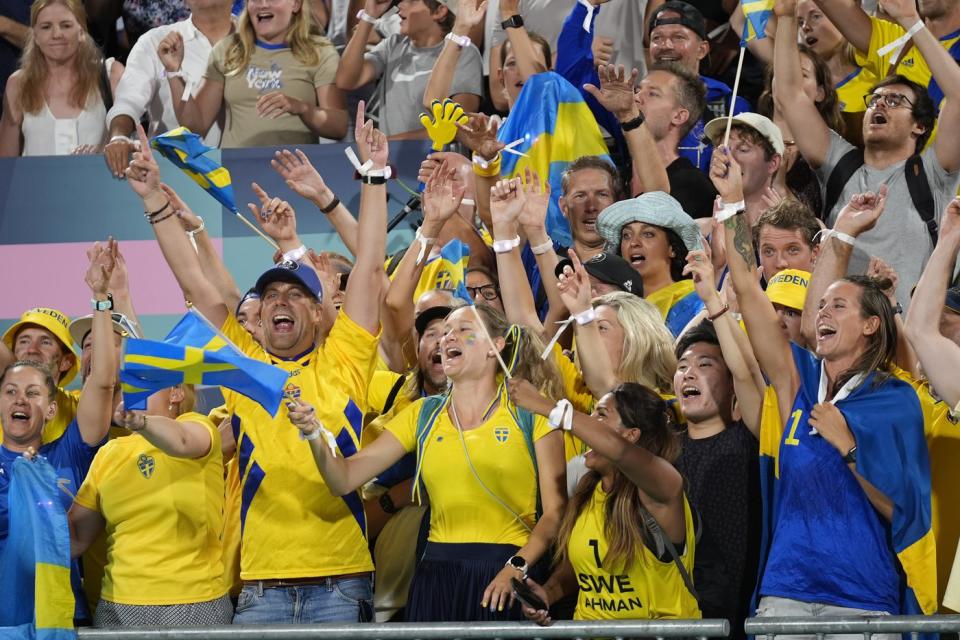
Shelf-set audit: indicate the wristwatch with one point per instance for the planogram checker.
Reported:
(633, 123)
(103, 305)
(513, 22)
(518, 563)
(898, 309)
(851, 457)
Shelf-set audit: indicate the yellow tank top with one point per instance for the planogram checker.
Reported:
(646, 589)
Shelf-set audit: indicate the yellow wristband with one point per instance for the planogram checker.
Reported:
(489, 169)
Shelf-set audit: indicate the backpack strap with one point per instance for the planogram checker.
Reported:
(839, 177)
(392, 396)
(921, 195)
(662, 541)
(525, 420)
(430, 409)
(106, 92)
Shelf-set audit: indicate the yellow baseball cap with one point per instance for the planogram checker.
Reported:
(56, 323)
(789, 288)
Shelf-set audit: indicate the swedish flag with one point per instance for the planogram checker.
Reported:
(185, 149)
(757, 13)
(556, 127)
(447, 271)
(194, 352)
(35, 562)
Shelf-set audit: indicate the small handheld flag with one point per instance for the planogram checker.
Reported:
(194, 352)
(757, 14)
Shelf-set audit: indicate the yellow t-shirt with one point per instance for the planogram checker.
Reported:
(291, 525)
(912, 66)
(164, 517)
(853, 88)
(461, 510)
(646, 589)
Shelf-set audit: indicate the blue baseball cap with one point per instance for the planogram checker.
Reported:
(294, 273)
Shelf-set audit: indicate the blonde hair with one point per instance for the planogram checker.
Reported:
(303, 38)
(648, 357)
(33, 66)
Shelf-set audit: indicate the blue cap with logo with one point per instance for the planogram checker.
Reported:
(293, 273)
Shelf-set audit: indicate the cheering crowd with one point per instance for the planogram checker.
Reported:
(725, 387)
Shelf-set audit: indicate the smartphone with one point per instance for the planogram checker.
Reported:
(526, 595)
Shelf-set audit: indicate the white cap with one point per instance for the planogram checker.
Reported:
(761, 124)
(451, 5)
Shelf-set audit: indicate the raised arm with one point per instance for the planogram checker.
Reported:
(200, 111)
(616, 95)
(798, 110)
(365, 285)
(520, 42)
(354, 69)
(184, 439)
(143, 176)
(533, 223)
(96, 399)
(470, 13)
(761, 48)
(479, 134)
(770, 345)
(748, 383)
(851, 20)
(139, 84)
(939, 356)
(120, 289)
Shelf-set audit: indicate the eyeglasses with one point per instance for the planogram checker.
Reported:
(489, 292)
(892, 100)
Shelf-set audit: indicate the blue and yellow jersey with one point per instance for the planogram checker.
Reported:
(286, 506)
(678, 304)
(460, 509)
(853, 88)
(647, 588)
(164, 517)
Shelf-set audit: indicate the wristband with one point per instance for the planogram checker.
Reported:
(729, 210)
(486, 168)
(506, 246)
(294, 255)
(313, 435)
(155, 219)
(366, 17)
(543, 248)
(633, 123)
(366, 169)
(102, 305)
(175, 74)
(461, 41)
(586, 317)
(375, 180)
(321, 431)
(826, 234)
(126, 139)
(327, 210)
(901, 41)
(561, 417)
(194, 232)
(712, 317)
(424, 243)
(150, 214)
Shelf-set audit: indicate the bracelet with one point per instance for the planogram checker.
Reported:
(313, 435)
(194, 232)
(461, 41)
(825, 234)
(126, 139)
(506, 246)
(376, 180)
(294, 255)
(156, 219)
(633, 123)
(561, 417)
(486, 168)
(327, 210)
(175, 74)
(730, 209)
(366, 17)
(714, 316)
(543, 248)
(586, 317)
(150, 214)
(424, 243)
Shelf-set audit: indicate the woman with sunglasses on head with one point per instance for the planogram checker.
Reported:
(627, 537)
(494, 473)
(850, 451)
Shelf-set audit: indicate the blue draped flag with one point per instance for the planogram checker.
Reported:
(35, 561)
(186, 150)
(194, 352)
(757, 13)
(556, 127)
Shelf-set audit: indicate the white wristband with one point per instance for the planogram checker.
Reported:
(175, 74)
(325, 433)
(194, 232)
(461, 41)
(506, 246)
(729, 210)
(424, 243)
(313, 435)
(826, 234)
(900, 42)
(126, 139)
(561, 417)
(541, 249)
(295, 254)
(586, 317)
(366, 17)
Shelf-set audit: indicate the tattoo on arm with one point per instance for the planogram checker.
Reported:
(742, 241)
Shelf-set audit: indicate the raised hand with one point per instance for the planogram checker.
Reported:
(170, 51)
(700, 266)
(301, 176)
(536, 197)
(117, 155)
(524, 394)
(616, 92)
(950, 222)
(371, 143)
(188, 219)
(376, 8)
(441, 197)
(862, 212)
(506, 201)
(470, 13)
(602, 48)
(785, 8)
(771, 197)
(726, 175)
(143, 172)
(276, 104)
(276, 216)
(903, 12)
(103, 259)
(881, 270)
(574, 285)
(479, 134)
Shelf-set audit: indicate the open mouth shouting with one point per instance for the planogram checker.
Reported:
(878, 119)
(283, 323)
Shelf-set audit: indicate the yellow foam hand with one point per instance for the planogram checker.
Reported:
(442, 128)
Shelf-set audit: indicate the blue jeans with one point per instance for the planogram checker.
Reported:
(338, 600)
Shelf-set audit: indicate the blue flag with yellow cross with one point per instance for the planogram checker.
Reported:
(186, 150)
(194, 352)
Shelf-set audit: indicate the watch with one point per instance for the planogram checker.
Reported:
(633, 123)
(518, 563)
(898, 309)
(513, 22)
(103, 305)
(851, 457)
(386, 503)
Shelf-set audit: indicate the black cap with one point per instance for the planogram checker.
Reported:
(425, 317)
(611, 269)
(690, 17)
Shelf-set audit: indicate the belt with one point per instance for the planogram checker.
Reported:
(302, 582)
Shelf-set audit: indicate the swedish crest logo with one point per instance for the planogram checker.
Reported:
(291, 391)
(146, 464)
(501, 434)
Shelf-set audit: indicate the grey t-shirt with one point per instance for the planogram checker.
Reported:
(404, 71)
(900, 236)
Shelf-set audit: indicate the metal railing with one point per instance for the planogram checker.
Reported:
(701, 629)
(767, 628)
